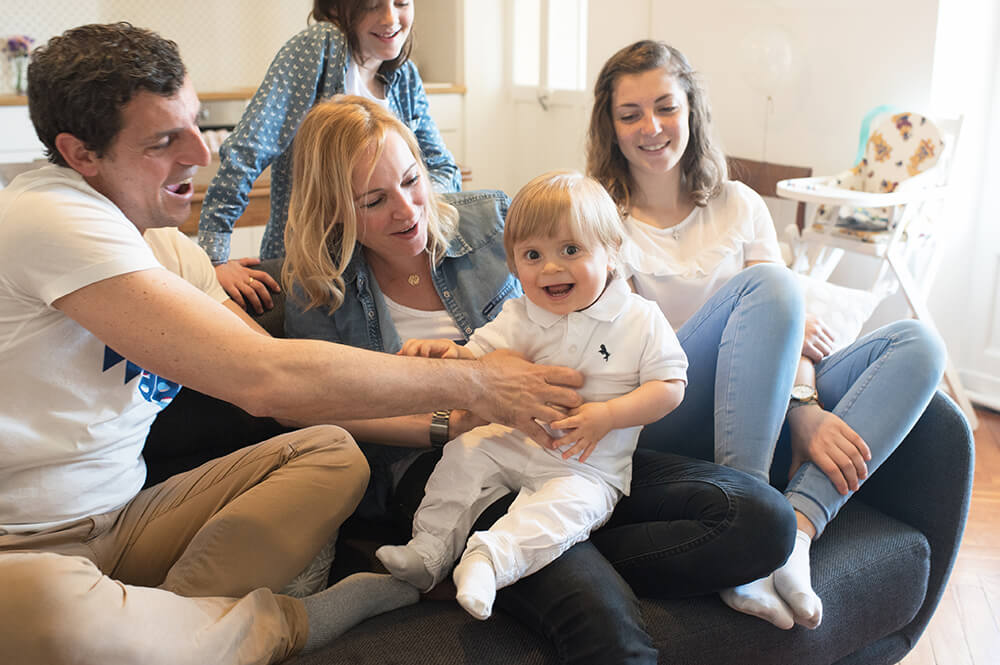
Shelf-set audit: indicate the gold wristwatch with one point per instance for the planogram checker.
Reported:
(802, 395)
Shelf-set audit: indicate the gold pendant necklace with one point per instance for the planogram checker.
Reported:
(413, 279)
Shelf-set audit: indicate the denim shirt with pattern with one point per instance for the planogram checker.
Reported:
(309, 68)
(472, 281)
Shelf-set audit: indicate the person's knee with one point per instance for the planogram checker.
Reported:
(781, 289)
(49, 611)
(924, 347)
(333, 449)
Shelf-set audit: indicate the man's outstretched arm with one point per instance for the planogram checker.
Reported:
(165, 325)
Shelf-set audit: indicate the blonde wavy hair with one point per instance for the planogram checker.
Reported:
(321, 235)
(703, 165)
(559, 197)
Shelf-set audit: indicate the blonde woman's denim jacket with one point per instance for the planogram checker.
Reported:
(472, 280)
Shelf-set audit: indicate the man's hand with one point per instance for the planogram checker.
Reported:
(586, 425)
(821, 437)
(246, 286)
(462, 421)
(516, 393)
(818, 341)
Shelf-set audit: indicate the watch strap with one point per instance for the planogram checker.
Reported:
(792, 403)
(440, 421)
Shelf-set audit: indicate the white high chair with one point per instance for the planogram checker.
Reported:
(885, 207)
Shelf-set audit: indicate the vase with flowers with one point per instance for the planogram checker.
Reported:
(18, 48)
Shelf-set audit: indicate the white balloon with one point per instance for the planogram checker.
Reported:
(768, 58)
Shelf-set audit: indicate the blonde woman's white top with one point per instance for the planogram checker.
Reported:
(421, 324)
(682, 266)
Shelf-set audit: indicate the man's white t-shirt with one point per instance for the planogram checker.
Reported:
(75, 414)
(682, 266)
(618, 343)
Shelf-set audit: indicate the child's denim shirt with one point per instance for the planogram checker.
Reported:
(472, 280)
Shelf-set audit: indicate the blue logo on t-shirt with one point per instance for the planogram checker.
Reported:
(151, 387)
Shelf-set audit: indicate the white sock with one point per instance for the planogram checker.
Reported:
(406, 564)
(760, 599)
(794, 585)
(349, 602)
(476, 582)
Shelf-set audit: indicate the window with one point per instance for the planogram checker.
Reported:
(548, 47)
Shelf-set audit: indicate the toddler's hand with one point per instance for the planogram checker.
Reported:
(585, 426)
(430, 348)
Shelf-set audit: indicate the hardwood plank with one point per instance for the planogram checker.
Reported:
(922, 654)
(982, 632)
(947, 635)
(991, 586)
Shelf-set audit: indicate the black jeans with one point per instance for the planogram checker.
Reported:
(195, 428)
(688, 527)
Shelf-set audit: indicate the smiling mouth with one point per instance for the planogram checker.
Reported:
(654, 148)
(405, 231)
(388, 35)
(558, 290)
(181, 188)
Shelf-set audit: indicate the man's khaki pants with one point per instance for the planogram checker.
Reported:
(185, 572)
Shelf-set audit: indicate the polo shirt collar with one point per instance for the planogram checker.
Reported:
(607, 308)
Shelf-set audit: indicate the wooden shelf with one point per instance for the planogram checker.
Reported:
(238, 94)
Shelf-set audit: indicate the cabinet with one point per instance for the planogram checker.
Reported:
(18, 141)
(447, 106)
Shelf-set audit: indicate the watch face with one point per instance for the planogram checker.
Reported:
(802, 392)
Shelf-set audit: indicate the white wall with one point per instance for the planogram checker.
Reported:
(843, 58)
(965, 299)
(824, 64)
(225, 44)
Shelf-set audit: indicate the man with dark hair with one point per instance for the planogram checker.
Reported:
(96, 336)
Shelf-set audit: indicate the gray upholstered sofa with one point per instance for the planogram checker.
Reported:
(880, 568)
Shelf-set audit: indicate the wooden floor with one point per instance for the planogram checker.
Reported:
(965, 630)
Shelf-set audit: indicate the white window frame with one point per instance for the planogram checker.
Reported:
(543, 93)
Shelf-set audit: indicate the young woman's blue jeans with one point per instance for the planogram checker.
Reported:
(879, 386)
(743, 347)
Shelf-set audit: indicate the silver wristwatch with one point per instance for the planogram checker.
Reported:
(440, 421)
(803, 394)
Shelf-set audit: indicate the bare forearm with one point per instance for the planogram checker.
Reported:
(310, 381)
(163, 324)
(806, 372)
(646, 404)
(407, 431)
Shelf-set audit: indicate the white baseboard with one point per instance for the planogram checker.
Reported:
(983, 389)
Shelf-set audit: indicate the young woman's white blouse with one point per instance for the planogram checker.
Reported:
(682, 266)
